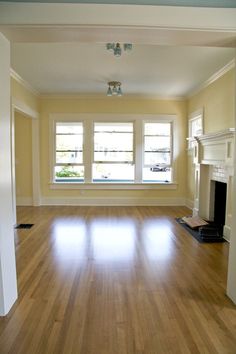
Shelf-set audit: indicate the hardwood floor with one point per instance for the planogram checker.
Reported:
(116, 280)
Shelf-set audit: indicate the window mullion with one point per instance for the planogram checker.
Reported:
(138, 150)
(88, 150)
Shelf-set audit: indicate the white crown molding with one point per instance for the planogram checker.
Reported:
(212, 78)
(23, 82)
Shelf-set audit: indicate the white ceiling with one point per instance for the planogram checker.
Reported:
(85, 68)
(60, 48)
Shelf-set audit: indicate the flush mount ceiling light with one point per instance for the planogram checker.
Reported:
(116, 48)
(114, 88)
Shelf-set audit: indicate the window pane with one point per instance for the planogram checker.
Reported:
(153, 174)
(114, 156)
(153, 158)
(69, 157)
(69, 128)
(69, 173)
(113, 142)
(113, 127)
(69, 142)
(154, 143)
(196, 127)
(157, 129)
(113, 172)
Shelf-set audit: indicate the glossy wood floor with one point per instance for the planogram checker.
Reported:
(115, 280)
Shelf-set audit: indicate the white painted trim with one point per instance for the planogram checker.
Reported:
(119, 15)
(122, 201)
(8, 281)
(24, 108)
(13, 163)
(23, 82)
(113, 186)
(189, 204)
(24, 201)
(213, 78)
(227, 233)
(223, 134)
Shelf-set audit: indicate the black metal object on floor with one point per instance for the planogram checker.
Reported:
(210, 233)
(24, 226)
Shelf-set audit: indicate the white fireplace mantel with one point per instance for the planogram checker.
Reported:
(213, 159)
(214, 148)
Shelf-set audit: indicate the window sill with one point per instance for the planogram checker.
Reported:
(112, 186)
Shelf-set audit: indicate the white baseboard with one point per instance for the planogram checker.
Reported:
(24, 201)
(113, 201)
(189, 204)
(227, 232)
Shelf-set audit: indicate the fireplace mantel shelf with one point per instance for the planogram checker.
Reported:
(224, 134)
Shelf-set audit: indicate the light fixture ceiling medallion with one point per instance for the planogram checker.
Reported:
(114, 88)
(116, 48)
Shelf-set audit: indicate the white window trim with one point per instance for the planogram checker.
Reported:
(192, 117)
(88, 121)
(165, 120)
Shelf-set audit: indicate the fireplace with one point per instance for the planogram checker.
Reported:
(213, 177)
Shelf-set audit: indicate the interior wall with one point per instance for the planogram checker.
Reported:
(122, 106)
(23, 159)
(24, 96)
(218, 103)
(8, 284)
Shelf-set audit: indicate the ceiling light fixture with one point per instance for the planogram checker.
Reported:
(114, 88)
(116, 48)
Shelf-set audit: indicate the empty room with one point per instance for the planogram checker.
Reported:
(117, 187)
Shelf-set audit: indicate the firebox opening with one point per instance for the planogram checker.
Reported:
(220, 204)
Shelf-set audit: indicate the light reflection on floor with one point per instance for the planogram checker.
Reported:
(157, 240)
(70, 239)
(111, 240)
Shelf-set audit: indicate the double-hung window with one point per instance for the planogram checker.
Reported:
(68, 164)
(157, 148)
(113, 155)
(117, 150)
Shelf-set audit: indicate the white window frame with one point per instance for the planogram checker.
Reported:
(113, 162)
(88, 121)
(171, 122)
(193, 117)
(55, 149)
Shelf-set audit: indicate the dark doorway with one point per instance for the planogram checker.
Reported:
(220, 204)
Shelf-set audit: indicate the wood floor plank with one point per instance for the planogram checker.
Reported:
(117, 280)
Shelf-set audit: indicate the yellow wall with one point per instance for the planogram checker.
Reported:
(24, 96)
(218, 103)
(117, 105)
(217, 100)
(23, 158)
